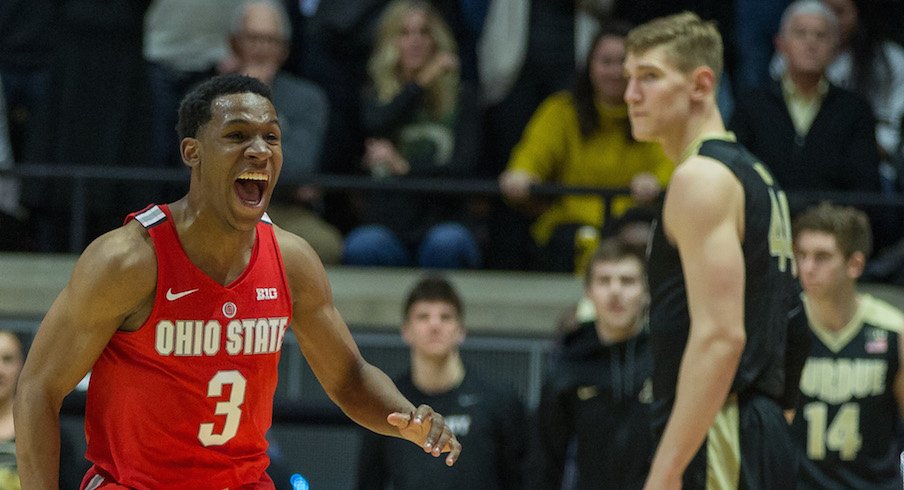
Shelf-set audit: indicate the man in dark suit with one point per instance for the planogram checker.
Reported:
(813, 135)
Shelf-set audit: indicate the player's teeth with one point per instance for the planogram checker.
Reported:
(253, 176)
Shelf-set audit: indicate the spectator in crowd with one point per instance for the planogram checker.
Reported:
(597, 393)
(260, 43)
(11, 359)
(422, 122)
(812, 134)
(852, 387)
(872, 66)
(485, 418)
(12, 356)
(582, 137)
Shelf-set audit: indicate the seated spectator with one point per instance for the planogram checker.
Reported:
(486, 418)
(872, 66)
(422, 122)
(11, 359)
(597, 393)
(582, 137)
(812, 134)
(260, 44)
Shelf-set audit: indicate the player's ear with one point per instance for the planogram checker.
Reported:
(703, 81)
(190, 149)
(855, 265)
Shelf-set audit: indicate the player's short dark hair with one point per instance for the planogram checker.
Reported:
(433, 287)
(847, 224)
(613, 250)
(195, 108)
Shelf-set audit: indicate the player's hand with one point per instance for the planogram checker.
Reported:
(428, 430)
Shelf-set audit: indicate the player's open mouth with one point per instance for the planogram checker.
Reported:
(250, 187)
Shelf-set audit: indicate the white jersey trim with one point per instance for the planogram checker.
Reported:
(151, 217)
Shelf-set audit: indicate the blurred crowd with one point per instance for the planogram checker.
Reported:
(516, 92)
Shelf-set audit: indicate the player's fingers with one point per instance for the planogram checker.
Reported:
(454, 450)
(435, 427)
(443, 443)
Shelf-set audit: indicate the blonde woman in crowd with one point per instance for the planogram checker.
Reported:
(422, 121)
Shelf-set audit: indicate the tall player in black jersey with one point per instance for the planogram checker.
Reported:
(720, 271)
(852, 388)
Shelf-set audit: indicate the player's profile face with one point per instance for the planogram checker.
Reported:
(657, 94)
(433, 328)
(618, 291)
(821, 264)
(239, 157)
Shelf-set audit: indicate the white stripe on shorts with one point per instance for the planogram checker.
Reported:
(96, 482)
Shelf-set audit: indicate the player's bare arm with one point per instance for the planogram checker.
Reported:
(111, 286)
(362, 391)
(702, 216)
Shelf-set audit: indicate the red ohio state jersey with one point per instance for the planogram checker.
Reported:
(184, 401)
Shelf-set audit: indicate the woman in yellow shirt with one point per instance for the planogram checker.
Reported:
(582, 137)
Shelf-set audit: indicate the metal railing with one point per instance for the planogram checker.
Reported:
(83, 176)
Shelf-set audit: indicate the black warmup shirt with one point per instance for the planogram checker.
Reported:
(488, 421)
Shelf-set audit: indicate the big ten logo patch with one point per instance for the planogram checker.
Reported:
(266, 293)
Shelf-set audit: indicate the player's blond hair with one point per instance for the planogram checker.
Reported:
(689, 41)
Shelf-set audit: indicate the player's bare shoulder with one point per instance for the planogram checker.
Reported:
(304, 269)
(122, 263)
(702, 191)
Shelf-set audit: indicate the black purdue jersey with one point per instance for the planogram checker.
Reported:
(845, 422)
(769, 278)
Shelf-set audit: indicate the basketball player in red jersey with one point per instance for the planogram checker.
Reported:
(180, 315)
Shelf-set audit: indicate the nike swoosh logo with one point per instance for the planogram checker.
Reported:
(170, 295)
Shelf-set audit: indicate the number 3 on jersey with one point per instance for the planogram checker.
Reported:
(230, 408)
